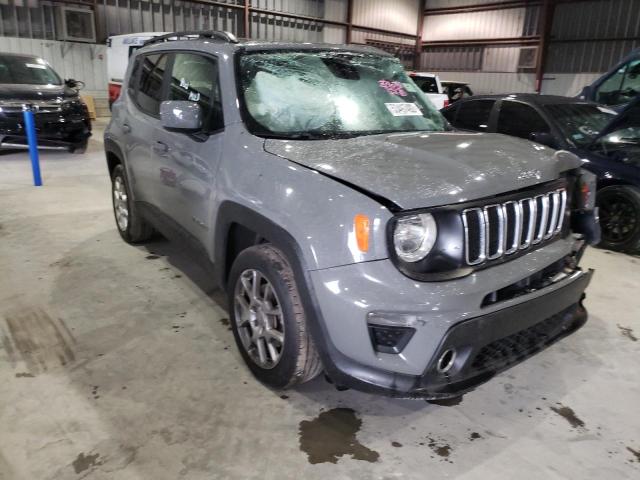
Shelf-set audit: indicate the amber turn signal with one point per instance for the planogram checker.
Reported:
(361, 223)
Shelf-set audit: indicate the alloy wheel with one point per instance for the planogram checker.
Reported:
(120, 205)
(259, 319)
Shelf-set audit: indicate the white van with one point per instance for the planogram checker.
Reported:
(119, 49)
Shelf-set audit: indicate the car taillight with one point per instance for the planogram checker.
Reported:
(114, 91)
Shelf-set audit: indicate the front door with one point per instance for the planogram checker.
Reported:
(188, 161)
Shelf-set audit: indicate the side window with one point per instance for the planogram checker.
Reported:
(608, 90)
(474, 115)
(149, 94)
(195, 78)
(631, 83)
(520, 120)
(426, 84)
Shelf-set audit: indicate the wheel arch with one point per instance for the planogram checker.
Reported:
(239, 227)
(609, 180)
(113, 154)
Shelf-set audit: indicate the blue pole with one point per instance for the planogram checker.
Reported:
(30, 127)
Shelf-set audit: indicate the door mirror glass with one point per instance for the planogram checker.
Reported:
(180, 115)
(544, 138)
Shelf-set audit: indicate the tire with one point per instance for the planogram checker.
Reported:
(80, 147)
(298, 360)
(619, 209)
(135, 229)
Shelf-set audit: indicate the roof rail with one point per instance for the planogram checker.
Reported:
(194, 34)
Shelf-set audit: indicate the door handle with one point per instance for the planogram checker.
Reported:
(160, 148)
(126, 128)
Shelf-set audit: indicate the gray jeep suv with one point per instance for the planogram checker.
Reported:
(355, 232)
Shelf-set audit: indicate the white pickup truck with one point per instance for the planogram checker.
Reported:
(431, 86)
(119, 49)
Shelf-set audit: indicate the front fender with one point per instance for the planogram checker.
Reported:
(263, 191)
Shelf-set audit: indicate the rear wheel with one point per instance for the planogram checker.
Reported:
(268, 321)
(619, 209)
(131, 226)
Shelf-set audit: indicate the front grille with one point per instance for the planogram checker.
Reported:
(38, 106)
(500, 229)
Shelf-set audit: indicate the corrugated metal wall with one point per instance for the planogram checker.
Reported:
(490, 25)
(477, 25)
(593, 35)
(396, 15)
(35, 20)
(459, 3)
(587, 38)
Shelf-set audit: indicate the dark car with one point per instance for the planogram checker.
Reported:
(456, 90)
(62, 120)
(607, 143)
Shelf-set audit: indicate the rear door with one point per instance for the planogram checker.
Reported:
(140, 121)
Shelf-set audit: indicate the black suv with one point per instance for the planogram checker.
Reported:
(62, 120)
(607, 143)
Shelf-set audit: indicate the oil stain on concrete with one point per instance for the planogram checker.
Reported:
(628, 332)
(85, 462)
(440, 448)
(331, 435)
(569, 415)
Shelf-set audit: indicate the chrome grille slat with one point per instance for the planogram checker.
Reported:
(563, 206)
(500, 233)
(496, 230)
(481, 240)
(554, 200)
(517, 226)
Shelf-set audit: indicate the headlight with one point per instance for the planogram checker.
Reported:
(414, 236)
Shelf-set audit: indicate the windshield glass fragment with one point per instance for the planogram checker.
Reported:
(331, 94)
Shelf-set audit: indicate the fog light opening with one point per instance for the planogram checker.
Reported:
(446, 360)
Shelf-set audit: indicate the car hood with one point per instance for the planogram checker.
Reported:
(17, 92)
(429, 169)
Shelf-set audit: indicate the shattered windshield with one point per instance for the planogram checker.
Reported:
(331, 94)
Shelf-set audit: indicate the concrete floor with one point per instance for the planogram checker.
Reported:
(116, 362)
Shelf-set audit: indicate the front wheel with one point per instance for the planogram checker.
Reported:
(268, 320)
(619, 209)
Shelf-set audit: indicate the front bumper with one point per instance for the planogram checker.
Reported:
(486, 339)
(484, 346)
(54, 129)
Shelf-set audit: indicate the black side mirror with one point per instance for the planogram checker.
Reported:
(544, 138)
(72, 83)
(586, 93)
